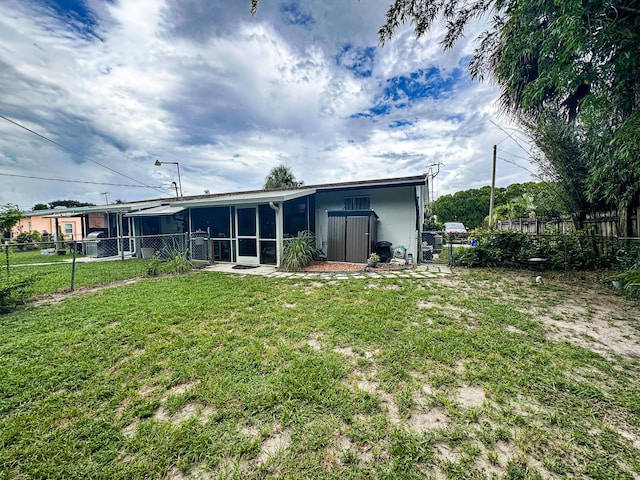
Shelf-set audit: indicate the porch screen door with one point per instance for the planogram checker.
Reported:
(247, 247)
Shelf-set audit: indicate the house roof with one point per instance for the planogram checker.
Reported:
(244, 197)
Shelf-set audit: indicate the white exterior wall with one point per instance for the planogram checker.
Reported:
(395, 207)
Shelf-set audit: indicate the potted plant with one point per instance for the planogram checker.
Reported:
(373, 260)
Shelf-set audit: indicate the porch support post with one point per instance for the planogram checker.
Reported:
(279, 232)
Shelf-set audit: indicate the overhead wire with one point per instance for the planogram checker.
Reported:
(76, 153)
(75, 181)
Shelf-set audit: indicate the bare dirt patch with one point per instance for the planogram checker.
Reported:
(602, 326)
(146, 390)
(273, 445)
(345, 351)
(53, 298)
(190, 410)
(130, 430)
(470, 397)
(180, 389)
(314, 343)
(424, 421)
(389, 403)
(250, 431)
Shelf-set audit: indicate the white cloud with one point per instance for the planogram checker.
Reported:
(229, 96)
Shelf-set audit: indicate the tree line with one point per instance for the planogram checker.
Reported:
(519, 200)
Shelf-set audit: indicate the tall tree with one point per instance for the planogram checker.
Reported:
(281, 177)
(574, 63)
(467, 206)
(69, 204)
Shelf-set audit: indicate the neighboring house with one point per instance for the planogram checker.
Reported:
(45, 221)
(251, 227)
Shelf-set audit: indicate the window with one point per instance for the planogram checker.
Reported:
(357, 203)
(216, 219)
(68, 228)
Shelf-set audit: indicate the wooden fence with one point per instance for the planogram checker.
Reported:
(604, 224)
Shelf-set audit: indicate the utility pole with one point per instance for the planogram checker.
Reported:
(430, 181)
(493, 187)
(106, 199)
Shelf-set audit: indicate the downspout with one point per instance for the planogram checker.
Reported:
(279, 231)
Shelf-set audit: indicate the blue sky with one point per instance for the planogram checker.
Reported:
(230, 96)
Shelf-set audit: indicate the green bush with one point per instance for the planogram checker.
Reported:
(178, 262)
(14, 292)
(498, 249)
(570, 251)
(630, 282)
(171, 260)
(299, 251)
(26, 240)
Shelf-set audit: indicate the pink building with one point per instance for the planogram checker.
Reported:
(44, 222)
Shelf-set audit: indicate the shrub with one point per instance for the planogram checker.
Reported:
(498, 249)
(14, 292)
(571, 251)
(154, 265)
(178, 262)
(27, 240)
(630, 282)
(171, 260)
(299, 251)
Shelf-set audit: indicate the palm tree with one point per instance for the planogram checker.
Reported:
(281, 177)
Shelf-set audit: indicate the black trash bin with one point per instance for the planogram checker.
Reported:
(383, 249)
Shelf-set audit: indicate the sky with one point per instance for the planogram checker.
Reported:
(118, 85)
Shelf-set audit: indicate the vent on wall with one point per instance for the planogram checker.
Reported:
(357, 203)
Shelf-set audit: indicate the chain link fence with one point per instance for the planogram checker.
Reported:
(96, 259)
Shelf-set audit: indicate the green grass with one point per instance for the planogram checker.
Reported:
(24, 258)
(212, 375)
(57, 278)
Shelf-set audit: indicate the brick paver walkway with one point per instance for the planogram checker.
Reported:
(421, 271)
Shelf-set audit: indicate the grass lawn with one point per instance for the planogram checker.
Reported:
(56, 278)
(206, 375)
(17, 257)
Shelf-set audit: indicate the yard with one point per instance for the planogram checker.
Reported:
(478, 374)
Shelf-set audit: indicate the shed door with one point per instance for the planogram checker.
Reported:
(336, 239)
(357, 239)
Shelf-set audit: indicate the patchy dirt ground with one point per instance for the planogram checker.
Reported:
(54, 298)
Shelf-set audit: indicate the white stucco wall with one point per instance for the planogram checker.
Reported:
(395, 207)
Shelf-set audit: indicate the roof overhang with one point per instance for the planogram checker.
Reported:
(371, 184)
(63, 215)
(162, 210)
(250, 198)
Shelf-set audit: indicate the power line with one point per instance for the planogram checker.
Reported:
(76, 181)
(75, 153)
(519, 166)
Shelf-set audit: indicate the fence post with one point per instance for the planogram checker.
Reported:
(6, 254)
(73, 267)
